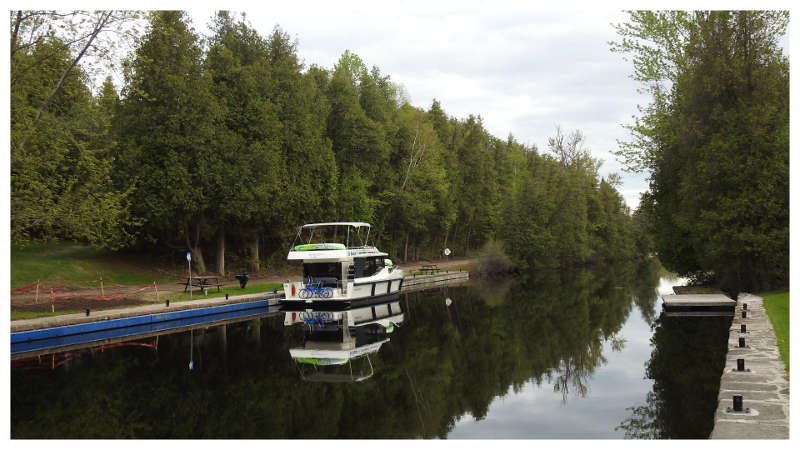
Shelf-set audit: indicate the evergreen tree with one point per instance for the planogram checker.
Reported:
(60, 153)
(168, 121)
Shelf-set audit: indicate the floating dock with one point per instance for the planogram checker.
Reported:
(43, 341)
(690, 305)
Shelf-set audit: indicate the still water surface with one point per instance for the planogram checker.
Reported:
(583, 354)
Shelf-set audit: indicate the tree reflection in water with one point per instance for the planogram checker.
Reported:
(686, 364)
(443, 363)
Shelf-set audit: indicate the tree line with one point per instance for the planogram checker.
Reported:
(224, 144)
(715, 140)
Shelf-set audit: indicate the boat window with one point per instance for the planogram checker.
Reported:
(328, 273)
(369, 267)
(366, 267)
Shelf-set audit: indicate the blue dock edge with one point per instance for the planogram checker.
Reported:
(83, 328)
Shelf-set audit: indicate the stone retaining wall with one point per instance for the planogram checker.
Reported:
(419, 282)
(762, 385)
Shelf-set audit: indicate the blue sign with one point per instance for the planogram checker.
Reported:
(189, 256)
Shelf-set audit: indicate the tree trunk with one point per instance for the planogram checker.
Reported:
(221, 250)
(255, 264)
(197, 260)
(405, 253)
(194, 246)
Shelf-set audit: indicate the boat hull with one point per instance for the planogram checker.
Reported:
(334, 305)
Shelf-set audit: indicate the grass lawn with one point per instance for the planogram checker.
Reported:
(22, 315)
(777, 306)
(76, 264)
(233, 289)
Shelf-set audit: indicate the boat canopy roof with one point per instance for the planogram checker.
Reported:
(328, 224)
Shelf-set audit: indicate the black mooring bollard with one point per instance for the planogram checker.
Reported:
(740, 365)
(167, 303)
(737, 403)
(744, 314)
(87, 312)
(744, 328)
(741, 342)
(744, 306)
(226, 296)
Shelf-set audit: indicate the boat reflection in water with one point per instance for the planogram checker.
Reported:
(338, 344)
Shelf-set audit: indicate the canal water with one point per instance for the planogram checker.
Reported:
(583, 354)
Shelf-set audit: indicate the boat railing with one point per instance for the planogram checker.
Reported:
(339, 288)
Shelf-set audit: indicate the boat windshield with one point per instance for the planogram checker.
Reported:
(335, 371)
(347, 234)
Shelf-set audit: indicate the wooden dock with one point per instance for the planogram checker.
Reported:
(698, 305)
(420, 282)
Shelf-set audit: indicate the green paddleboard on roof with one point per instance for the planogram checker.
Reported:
(324, 246)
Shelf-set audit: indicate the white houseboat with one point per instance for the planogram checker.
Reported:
(340, 267)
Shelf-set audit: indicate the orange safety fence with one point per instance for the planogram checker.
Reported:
(55, 293)
(24, 288)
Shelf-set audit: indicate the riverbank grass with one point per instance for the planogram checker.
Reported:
(777, 306)
(71, 263)
(260, 288)
(22, 315)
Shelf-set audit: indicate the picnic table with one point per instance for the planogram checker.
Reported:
(203, 282)
(430, 268)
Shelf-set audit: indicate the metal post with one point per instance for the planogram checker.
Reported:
(744, 314)
(87, 312)
(744, 306)
(740, 365)
(741, 342)
(744, 328)
(738, 403)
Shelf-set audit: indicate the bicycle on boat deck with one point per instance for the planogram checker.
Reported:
(315, 289)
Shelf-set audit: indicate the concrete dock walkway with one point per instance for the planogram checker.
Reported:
(762, 385)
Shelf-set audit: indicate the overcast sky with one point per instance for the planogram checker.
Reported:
(522, 69)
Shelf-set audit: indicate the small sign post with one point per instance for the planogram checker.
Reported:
(189, 258)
